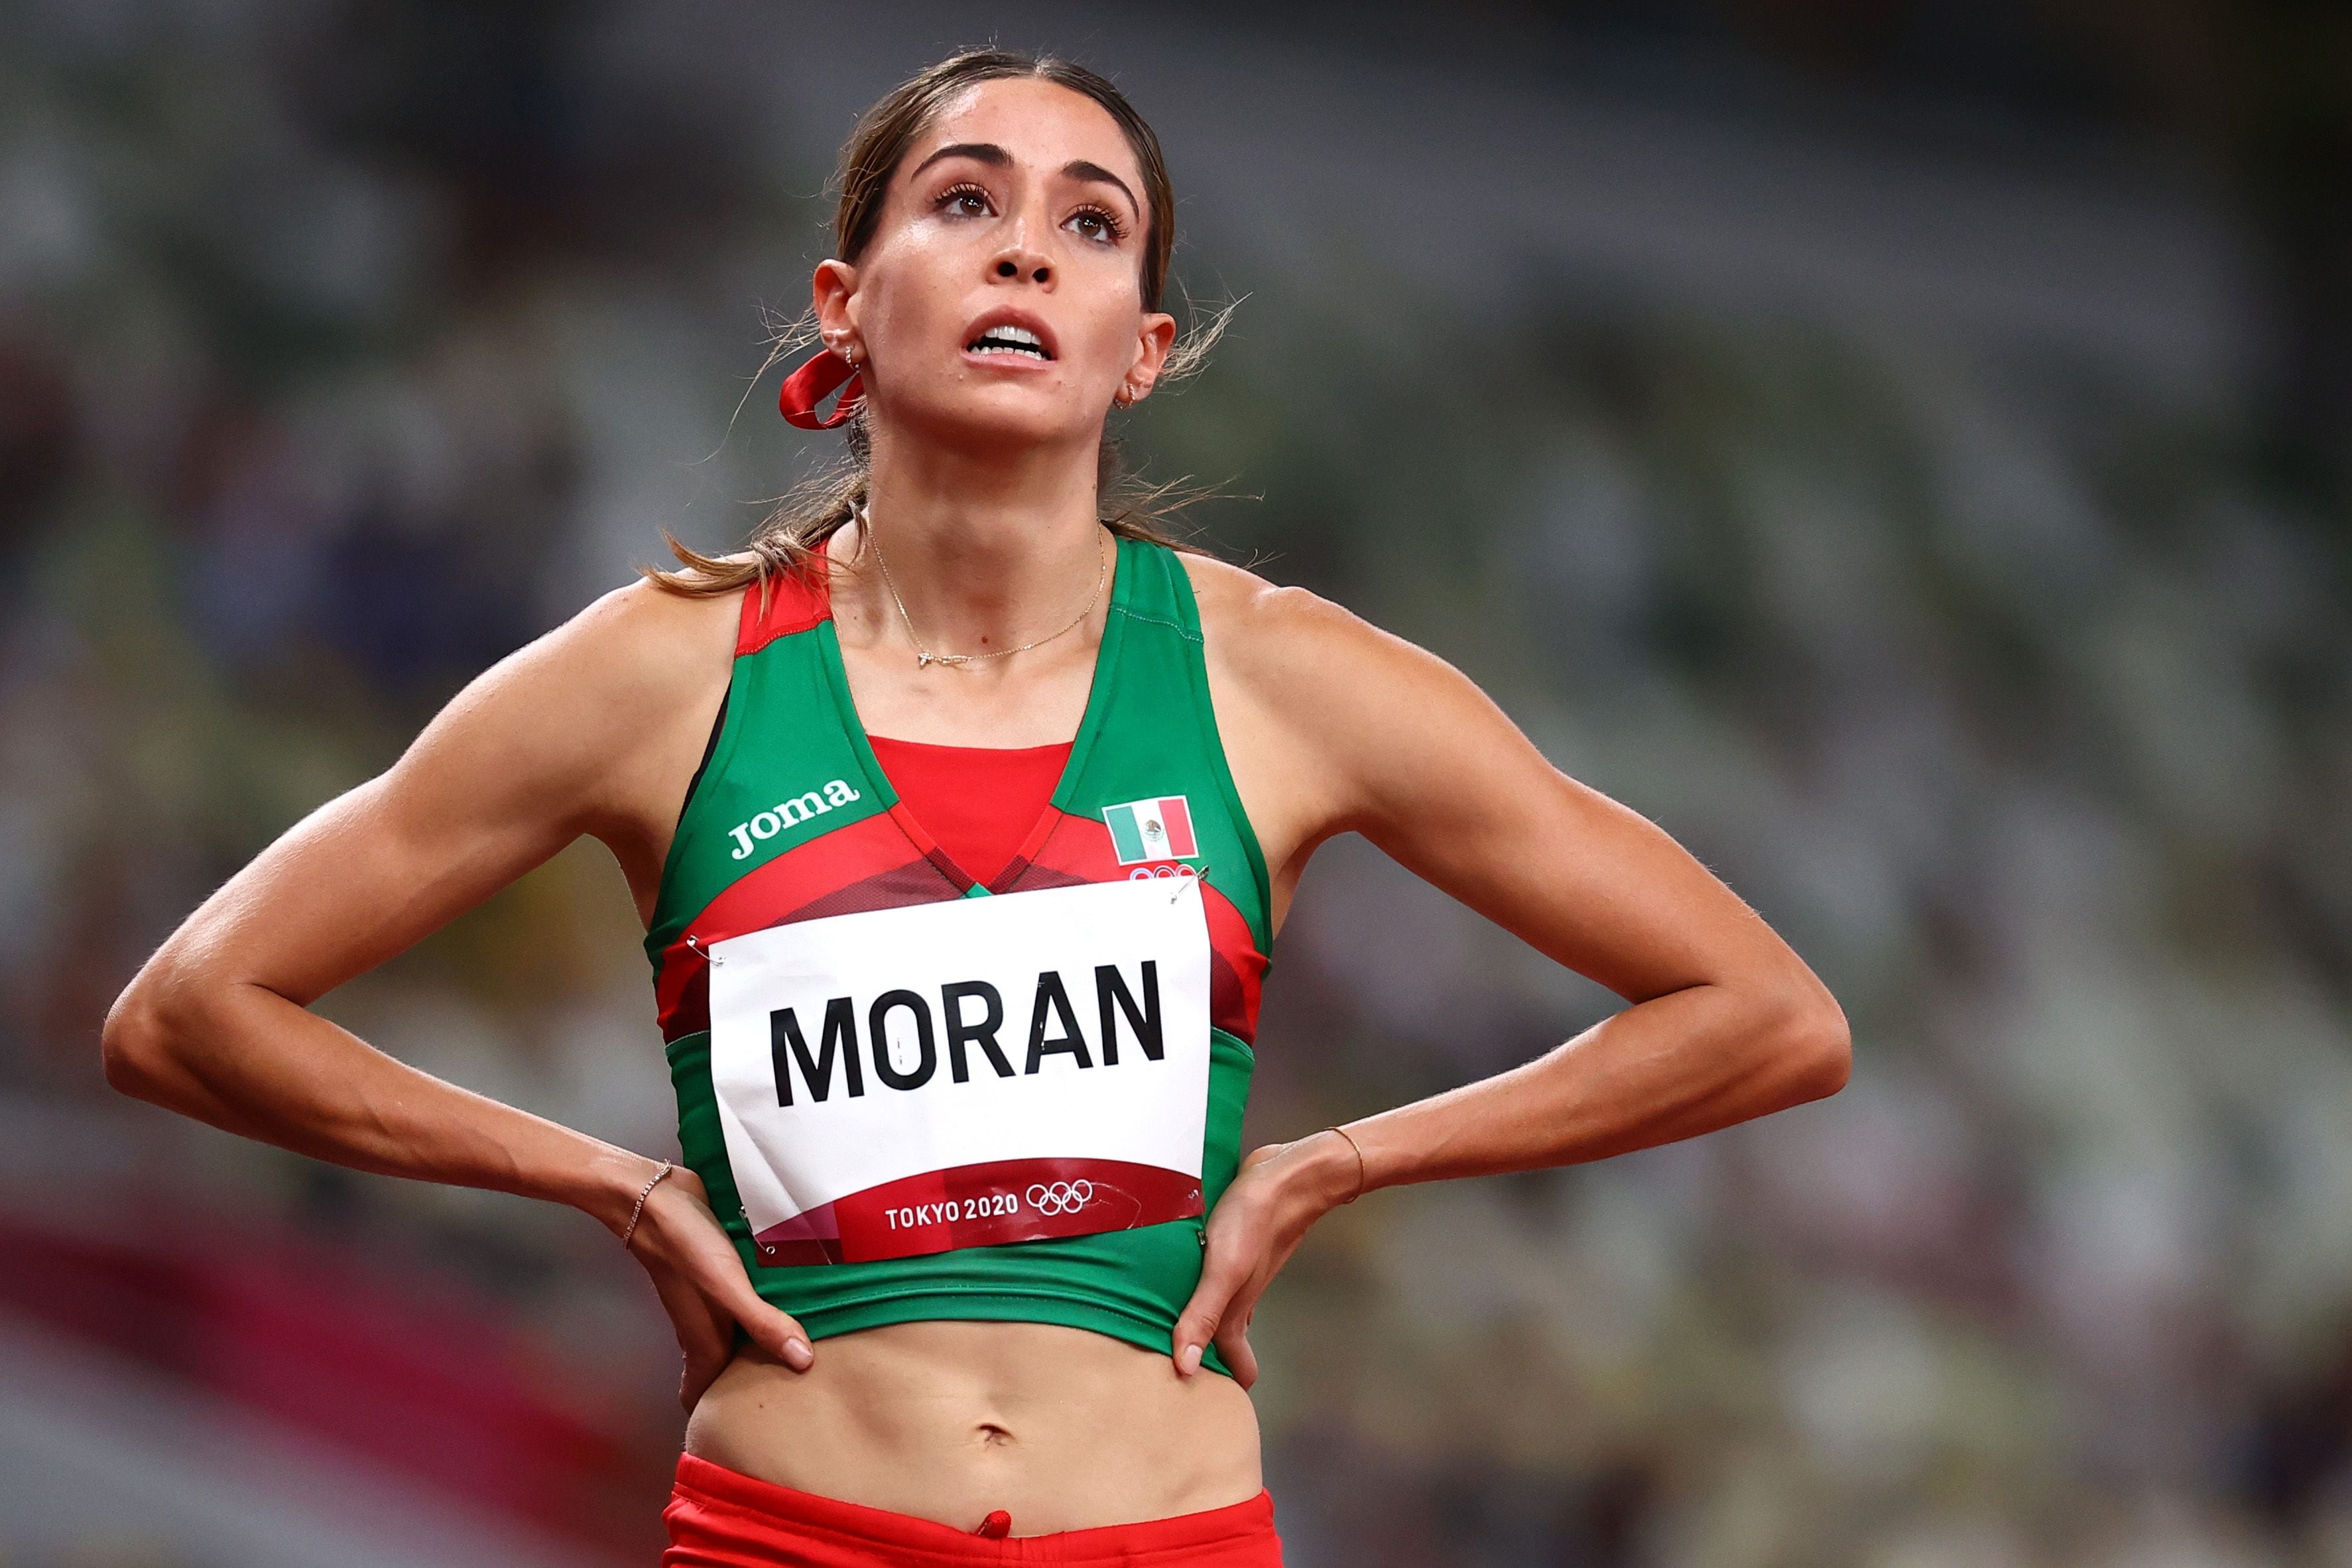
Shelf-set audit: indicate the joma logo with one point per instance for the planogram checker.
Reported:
(798, 809)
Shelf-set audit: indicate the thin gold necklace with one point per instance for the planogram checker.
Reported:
(924, 655)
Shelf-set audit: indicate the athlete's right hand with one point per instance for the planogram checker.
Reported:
(701, 1279)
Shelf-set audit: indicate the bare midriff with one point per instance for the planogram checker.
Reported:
(948, 1420)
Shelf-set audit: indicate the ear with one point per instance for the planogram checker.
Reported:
(833, 291)
(1154, 337)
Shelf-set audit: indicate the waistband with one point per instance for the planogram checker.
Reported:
(904, 1535)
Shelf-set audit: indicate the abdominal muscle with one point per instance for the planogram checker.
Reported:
(947, 1420)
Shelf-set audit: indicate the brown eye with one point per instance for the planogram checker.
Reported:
(1111, 230)
(966, 193)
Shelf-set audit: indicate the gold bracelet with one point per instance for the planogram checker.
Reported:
(1359, 1163)
(647, 1192)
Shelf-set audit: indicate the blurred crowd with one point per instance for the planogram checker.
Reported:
(344, 349)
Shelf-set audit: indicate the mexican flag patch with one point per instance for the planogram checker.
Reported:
(1150, 830)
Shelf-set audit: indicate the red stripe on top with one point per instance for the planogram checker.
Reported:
(978, 803)
(827, 866)
(869, 864)
(794, 603)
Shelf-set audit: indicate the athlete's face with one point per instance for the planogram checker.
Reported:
(1021, 205)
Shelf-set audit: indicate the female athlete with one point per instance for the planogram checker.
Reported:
(962, 821)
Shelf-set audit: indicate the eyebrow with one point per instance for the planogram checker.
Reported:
(990, 153)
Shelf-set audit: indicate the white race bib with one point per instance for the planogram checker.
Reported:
(967, 1071)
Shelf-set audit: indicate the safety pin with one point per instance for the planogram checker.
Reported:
(1178, 879)
(708, 956)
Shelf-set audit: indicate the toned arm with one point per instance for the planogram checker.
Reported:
(1343, 727)
(1727, 1024)
(579, 732)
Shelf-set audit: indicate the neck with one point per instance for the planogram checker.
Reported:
(986, 554)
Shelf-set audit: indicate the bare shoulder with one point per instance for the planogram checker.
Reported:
(1379, 731)
(644, 640)
(588, 728)
(627, 653)
(653, 664)
(1267, 629)
(589, 718)
(1356, 721)
(1316, 659)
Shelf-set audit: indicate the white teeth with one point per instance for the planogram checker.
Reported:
(1009, 339)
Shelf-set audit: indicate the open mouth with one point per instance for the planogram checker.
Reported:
(1009, 341)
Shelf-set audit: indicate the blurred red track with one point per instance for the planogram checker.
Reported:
(413, 1381)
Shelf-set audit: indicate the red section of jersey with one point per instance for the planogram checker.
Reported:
(983, 1205)
(721, 1518)
(978, 803)
(793, 604)
(864, 865)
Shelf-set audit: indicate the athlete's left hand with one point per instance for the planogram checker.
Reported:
(1280, 1191)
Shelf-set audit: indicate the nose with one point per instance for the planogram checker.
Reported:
(1020, 261)
(1018, 256)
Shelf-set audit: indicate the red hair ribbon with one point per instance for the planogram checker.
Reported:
(807, 386)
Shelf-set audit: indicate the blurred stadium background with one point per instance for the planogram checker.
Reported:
(1899, 447)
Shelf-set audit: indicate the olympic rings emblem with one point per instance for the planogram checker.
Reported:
(1146, 872)
(1061, 1197)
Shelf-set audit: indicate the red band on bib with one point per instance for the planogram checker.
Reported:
(983, 1205)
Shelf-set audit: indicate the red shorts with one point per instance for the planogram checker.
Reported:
(719, 1518)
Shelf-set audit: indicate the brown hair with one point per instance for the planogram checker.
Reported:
(789, 539)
